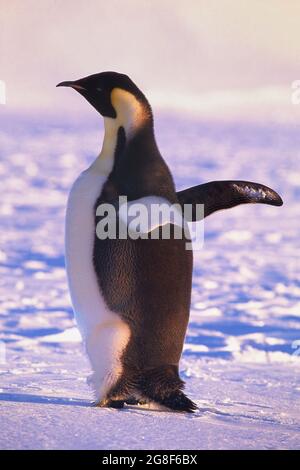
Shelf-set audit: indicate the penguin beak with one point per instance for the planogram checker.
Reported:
(71, 84)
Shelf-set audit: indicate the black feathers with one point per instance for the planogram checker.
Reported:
(218, 195)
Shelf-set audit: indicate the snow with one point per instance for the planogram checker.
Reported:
(240, 360)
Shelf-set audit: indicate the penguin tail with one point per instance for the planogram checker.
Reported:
(163, 386)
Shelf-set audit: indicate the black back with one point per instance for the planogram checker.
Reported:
(147, 282)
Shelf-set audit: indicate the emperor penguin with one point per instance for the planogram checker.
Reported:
(131, 297)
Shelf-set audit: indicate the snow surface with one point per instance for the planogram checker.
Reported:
(240, 360)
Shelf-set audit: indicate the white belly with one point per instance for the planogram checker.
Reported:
(103, 331)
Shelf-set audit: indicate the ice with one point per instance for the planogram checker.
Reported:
(240, 361)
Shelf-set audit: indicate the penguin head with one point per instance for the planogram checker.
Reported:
(112, 94)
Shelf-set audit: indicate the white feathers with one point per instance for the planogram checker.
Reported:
(104, 333)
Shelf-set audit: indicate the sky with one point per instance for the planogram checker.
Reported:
(199, 54)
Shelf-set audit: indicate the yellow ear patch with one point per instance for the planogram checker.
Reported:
(130, 112)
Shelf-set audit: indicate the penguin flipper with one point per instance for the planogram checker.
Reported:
(218, 195)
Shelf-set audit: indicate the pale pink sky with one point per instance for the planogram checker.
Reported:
(170, 47)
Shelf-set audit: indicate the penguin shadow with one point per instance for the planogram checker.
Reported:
(43, 399)
(144, 410)
(141, 410)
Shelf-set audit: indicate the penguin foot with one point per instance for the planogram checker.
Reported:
(108, 403)
(135, 401)
(178, 401)
(163, 386)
